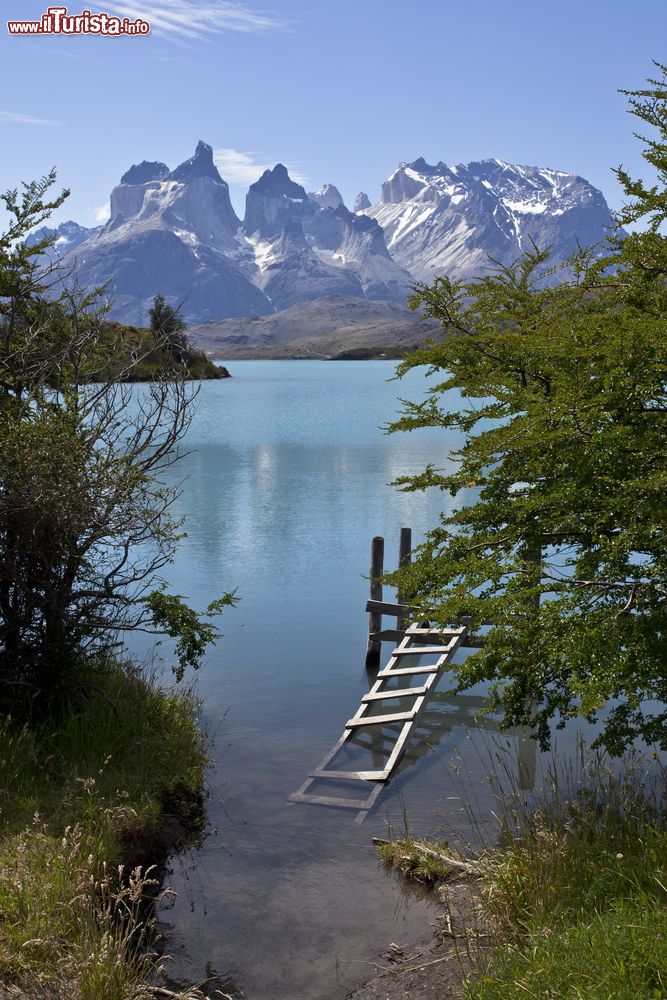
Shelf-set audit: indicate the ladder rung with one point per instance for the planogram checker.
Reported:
(404, 671)
(449, 633)
(400, 693)
(379, 720)
(330, 800)
(423, 650)
(350, 775)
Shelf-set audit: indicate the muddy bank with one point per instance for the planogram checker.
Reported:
(437, 971)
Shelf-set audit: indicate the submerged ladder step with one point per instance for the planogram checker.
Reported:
(377, 775)
(333, 800)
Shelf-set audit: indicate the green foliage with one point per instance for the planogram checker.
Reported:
(85, 522)
(173, 616)
(119, 342)
(558, 492)
(173, 346)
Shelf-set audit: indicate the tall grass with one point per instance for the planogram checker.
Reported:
(74, 792)
(577, 898)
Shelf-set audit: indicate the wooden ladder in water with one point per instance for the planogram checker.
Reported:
(443, 644)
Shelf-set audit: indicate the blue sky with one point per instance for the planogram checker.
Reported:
(340, 92)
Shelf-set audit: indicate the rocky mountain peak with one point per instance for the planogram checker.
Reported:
(199, 165)
(328, 196)
(362, 202)
(277, 183)
(142, 173)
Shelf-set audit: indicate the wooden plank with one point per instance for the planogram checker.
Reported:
(332, 753)
(378, 720)
(373, 647)
(423, 650)
(397, 693)
(401, 742)
(404, 671)
(443, 630)
(332, 800)
(448, 641)
(399, 747)
(381, 607)
(394, 635)
(370, 802)
(377, 775)
(351, 775)
(388, 635)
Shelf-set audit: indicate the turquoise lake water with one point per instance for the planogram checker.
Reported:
(286, 482)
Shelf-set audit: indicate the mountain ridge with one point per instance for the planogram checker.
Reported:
(175, 232)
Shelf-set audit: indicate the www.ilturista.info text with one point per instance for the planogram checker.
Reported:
(58, 21)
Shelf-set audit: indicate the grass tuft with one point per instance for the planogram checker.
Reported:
(418, 859)
(579, 903)
(74, 792)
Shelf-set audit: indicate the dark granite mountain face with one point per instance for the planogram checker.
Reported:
(274, 201)
(450, 220)
(154, 260)
(141, 173)
(192, 200)
(199, 165)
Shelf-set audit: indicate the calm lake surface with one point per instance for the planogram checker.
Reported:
(286, 482)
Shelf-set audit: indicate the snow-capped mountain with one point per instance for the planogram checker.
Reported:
(449, 220)
(297, 250)
(170, 232)
(175, 232)
(67, 236)
(328, 196)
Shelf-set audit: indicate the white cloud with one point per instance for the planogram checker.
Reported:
(18, 119)
(189, 19)
(102, 214)
(243, 169)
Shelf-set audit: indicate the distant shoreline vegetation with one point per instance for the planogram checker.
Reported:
(155, 361)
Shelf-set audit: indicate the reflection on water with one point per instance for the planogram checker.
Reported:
(284, 487)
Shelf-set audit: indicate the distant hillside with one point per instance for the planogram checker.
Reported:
(331, 327)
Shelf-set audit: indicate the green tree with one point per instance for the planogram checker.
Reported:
(558, 493)
(85, 506)
(169, 327)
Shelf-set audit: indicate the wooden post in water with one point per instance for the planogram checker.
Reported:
(374, 647)
(404, 549)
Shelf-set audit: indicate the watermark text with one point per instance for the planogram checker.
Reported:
(58, 21)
